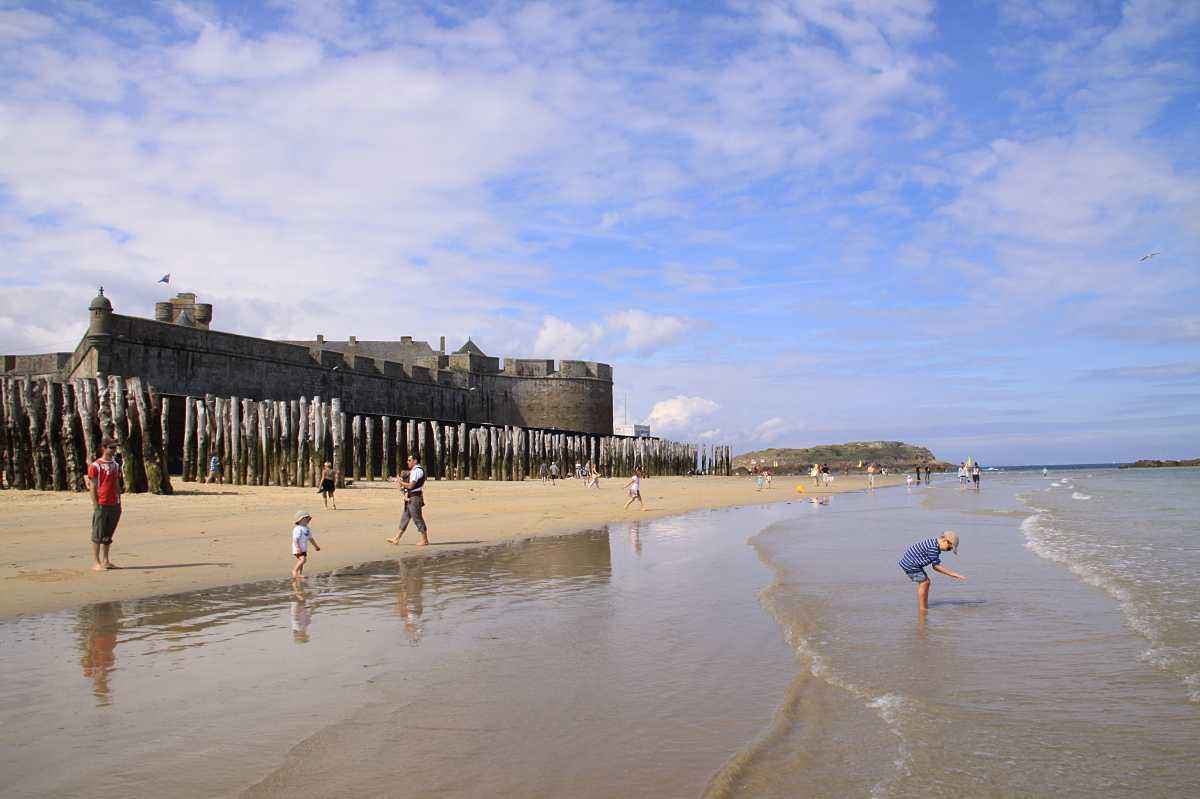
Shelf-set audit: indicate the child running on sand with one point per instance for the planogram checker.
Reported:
(301, 538)
(928, 552)
(634, 486)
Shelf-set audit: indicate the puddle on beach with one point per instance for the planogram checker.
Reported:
(586, 665)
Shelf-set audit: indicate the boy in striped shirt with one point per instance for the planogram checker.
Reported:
(928, 552)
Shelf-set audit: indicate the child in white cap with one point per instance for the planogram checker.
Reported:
(928, 552)
(301, 538)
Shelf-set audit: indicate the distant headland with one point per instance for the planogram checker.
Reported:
(1153, 464)
(893, 455)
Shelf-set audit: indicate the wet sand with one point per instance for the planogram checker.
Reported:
(207, 536)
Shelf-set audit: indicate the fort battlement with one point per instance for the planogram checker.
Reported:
(179, 354)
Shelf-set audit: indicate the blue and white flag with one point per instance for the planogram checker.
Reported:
(165, 278)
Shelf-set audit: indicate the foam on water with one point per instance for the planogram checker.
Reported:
(1149, 591)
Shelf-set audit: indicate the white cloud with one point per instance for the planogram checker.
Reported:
(679, 414)
(773, 429)
(625, 332)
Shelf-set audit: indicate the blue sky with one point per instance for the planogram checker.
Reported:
(783, 223)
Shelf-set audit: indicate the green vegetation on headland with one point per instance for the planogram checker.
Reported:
(1152, 464)
(855, 455)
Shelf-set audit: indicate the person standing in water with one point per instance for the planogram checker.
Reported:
(928, 552)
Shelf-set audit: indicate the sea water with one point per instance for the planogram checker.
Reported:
(751, 652)
(1065, 665)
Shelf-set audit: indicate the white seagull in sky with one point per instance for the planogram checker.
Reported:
(1147, 256)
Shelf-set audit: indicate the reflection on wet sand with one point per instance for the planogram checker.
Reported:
(301, 615)
(98, 626)
(409, 605)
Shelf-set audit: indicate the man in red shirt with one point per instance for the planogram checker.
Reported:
(104, 481)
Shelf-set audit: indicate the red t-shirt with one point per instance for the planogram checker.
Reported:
(106, 475)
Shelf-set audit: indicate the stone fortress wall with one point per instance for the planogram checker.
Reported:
(179, 355)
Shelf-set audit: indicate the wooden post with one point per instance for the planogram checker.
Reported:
(17, 472)
(294, 441)
(215, 433)
(337, 426)
(423, 446)
(69, 433)
(164, 430)
(435, 435)
(401, 448)
(356, 464)
(451, 452)
(369, 442)
(235, 441)
(410, 437)
(203, 453)
(387, 452)
(303, 444)
(189, 435)
(120, 428)
(51, 438)
(157, 481)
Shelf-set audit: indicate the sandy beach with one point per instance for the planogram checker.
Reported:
(206, 536)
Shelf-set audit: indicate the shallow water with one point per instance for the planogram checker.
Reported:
(666, 658)
(1025, 680)
(626, 663)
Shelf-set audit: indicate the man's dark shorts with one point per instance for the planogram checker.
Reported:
(104, 523)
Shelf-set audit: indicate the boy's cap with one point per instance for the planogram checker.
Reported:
(300, 514)
(952, 537)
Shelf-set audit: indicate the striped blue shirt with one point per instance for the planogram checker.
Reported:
(921, 554)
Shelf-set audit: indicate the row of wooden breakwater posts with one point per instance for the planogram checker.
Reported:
(50, 431)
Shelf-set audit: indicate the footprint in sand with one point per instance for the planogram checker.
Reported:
(48, 575)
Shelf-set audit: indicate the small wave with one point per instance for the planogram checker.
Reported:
(1077, 495)
(1042, 538)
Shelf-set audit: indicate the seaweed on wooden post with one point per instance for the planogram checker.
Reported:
(464, 465)
(423, 445)
(451, 453)
(164, 429)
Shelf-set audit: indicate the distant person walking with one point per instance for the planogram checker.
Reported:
(328, 484)
(634, 487)
(815, 474)
(928, 552)
(975, 474)
(414, 501)
(214, 470)
(543, 473)
(553, 472)
(871, 476)
(962, 476)
(106, 484)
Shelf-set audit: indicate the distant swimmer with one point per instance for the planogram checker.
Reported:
(1045, 472)
(1147, 256)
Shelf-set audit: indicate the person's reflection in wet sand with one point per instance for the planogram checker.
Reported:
(98, 627)
(409, 606)
(635, 536)
(301, 615)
